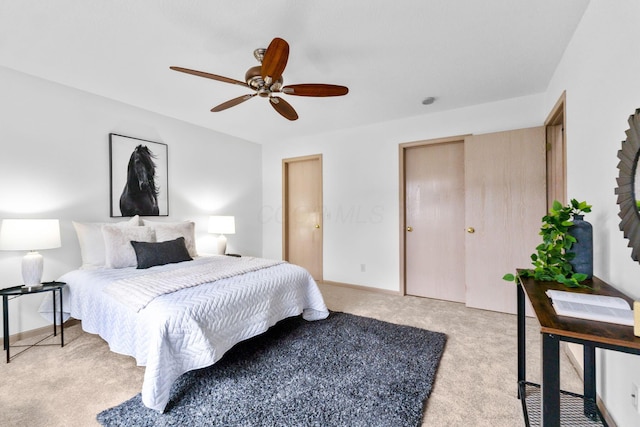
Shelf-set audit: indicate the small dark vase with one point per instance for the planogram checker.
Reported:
(583, 247)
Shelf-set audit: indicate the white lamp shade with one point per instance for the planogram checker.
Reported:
(221, 224)
(29, 234)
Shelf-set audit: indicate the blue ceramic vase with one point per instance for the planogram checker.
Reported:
(583, 247)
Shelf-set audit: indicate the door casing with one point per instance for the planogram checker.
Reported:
(557, 153)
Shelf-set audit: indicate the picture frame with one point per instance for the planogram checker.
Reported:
(138, 175)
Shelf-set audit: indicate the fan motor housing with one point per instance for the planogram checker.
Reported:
(253, 77)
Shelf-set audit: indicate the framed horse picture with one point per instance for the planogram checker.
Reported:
(139, 180)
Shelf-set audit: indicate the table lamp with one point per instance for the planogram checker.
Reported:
(30, 235)
(220, 224)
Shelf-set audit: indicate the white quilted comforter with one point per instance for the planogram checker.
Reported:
(137, 293)
(193, 327)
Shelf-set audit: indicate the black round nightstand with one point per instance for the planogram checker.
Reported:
(18, 291)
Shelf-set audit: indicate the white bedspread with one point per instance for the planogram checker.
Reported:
(138, 291)
(193, 327)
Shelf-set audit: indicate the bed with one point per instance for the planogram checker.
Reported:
(178, 316)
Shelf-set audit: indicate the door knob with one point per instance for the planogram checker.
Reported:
(409, 229)
(317, 226)
(471, 230)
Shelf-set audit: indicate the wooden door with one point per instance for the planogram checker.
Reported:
(302, 208)
(434, 220)
(505, 201)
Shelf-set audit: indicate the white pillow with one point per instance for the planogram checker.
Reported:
(119, 252)
(172, 230)
(92, 241)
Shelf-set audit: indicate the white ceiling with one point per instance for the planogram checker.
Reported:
(391, 54)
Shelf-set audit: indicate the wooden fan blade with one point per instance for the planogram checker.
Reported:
(315, 89)
(283, 107)
(211, 76)
(275, 60)
(232, 102)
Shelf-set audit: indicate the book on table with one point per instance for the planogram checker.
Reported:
(593, 307)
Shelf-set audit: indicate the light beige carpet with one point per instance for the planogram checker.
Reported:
(475, 384)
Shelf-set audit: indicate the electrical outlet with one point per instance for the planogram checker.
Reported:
(634, 396)
(363, 268)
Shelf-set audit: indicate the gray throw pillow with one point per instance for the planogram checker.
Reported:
(161, 253)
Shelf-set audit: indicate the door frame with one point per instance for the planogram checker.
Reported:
(402, 203)
(556, 117)
(285, 206)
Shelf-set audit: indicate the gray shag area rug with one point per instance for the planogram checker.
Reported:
(346, 370)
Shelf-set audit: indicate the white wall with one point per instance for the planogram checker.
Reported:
(600, 71)
(54, 163)
(361, 185)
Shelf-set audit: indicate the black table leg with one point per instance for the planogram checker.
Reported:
(522, 352)
(55, 332)
(61, 321)
(590, 382)
(5, 324)
(550, 381)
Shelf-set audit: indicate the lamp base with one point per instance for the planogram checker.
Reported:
(32, 269)
(222, 244)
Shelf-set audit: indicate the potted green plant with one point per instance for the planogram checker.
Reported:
(552, 258)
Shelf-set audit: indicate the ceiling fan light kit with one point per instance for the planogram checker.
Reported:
(266, 80)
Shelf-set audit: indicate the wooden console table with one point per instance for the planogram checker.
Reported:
(590, 334)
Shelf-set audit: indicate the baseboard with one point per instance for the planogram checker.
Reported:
(35, 332)
(361, 287)
(577, 365)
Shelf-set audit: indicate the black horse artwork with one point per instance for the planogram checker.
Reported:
(140, 194)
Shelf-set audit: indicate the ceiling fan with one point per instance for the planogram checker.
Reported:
(266, 80)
